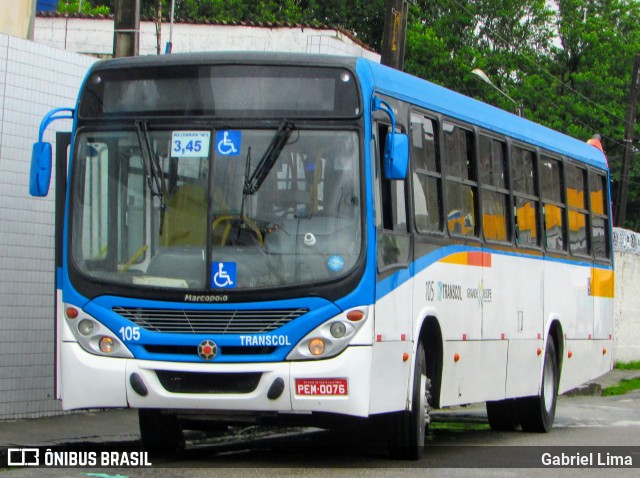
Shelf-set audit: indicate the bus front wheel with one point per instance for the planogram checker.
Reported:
(537, 413)
(408, 429)
(160, 432)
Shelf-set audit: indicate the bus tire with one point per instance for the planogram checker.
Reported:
(503, 415)
(538, 412)
(408, 429)
(160, 432)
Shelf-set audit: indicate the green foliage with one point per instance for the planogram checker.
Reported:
(89, 8)
(625, 386)
(635, 365)
(567, 61)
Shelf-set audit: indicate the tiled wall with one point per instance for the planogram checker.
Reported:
(33, 80)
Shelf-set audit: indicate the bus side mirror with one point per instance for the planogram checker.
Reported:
(396, 155)
(40, 169)
(41, 155)
(396, 147)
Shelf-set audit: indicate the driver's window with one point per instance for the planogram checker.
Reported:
(394, 240)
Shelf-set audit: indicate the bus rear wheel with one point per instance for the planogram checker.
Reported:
(537, 413)
(160, 432)
(408, 429)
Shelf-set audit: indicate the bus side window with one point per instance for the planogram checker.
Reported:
(495, 195)
(461, 183)
(553, 204)
(578, 214)
(427, 178)
(526, 201)
(599, 216)
(393, 238)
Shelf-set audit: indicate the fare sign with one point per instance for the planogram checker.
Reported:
(322, 386)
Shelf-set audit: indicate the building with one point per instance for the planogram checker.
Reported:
(93, 35)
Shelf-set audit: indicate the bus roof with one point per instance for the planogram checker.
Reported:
(227, 57)
(455, 105)
(394, 83)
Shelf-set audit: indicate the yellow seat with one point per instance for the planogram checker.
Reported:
(185, 217)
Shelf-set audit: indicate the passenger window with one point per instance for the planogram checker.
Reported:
(495, 195)
(525, 197)
(460, 185)
(427, 180)
(598, 192)
(554, 227)
(578, 214)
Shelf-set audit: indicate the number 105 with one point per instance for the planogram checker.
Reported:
(130, 333)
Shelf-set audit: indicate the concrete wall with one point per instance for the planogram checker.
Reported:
(627, 307)
(94, 36)
(33, 80)
(17, 17)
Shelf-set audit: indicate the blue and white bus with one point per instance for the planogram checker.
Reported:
(275, 238)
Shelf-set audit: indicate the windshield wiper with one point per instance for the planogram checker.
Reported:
(155, 175)
(269, 158)
(247, 167)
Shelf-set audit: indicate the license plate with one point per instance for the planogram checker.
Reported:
(322, 386)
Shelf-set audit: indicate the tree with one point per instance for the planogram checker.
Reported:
(568, 61)
(598, 41)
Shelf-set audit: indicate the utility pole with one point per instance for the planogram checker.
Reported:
(126, 28)
(629, 125)
(395, 34)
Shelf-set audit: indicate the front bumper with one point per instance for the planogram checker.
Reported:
(90, 381)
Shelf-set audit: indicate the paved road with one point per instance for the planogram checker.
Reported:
(460, 444)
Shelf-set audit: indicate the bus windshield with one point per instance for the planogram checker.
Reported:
(167, 207)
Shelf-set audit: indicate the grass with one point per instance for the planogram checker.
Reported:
(635, 365)
(458, 426)
(625, 385)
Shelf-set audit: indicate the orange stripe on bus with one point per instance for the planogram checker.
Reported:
(602, 283)
(479, 259)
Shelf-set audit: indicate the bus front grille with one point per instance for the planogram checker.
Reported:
(209, 321)
(197, 382)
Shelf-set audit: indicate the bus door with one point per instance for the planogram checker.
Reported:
(394, 298)
(63, 140)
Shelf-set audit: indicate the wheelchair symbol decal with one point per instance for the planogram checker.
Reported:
(223, 275)
(228, 142)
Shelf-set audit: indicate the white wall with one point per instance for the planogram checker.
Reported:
(33, 80)
(627, 307)
(95, 36)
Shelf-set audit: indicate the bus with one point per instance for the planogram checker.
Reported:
(279, 238)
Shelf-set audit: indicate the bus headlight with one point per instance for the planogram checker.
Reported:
(316, 347)
(85, 327)
(94, 337)
(106, 345)
(330, 338)
(338, 329)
